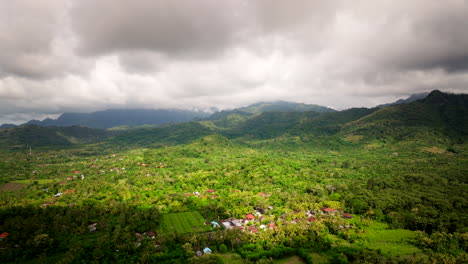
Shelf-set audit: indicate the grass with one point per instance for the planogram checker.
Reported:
(43, 181)
(394, 242)
(290, 260)
(11, 187)
(230, 258)
(187, 222)
(319, 259)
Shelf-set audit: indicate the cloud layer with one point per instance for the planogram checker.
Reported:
(94, 54)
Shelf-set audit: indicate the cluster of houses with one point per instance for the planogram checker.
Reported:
(161, 165)
(140, 237)
(248, 223)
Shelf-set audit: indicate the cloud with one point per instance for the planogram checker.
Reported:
(169, 26)
(89, 55)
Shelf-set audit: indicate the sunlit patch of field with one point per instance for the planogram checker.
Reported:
(186, 222)
(434, 150)
(43, 181)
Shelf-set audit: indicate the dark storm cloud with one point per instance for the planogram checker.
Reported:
(27, 33)
(86, 55)
(169, 26)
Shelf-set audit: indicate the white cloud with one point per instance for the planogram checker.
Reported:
(89, 55)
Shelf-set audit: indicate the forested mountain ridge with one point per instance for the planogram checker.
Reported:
(35, 136)
(411, 98)
(439, 117)
(357, 186)
(122, 117)
(234, 117)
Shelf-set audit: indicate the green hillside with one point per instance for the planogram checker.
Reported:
(362, 185)
(439, 118)
(36, 136)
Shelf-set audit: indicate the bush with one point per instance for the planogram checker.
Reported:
(223, 248)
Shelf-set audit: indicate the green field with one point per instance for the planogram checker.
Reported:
(11, 186)
(187, 222)
(43, 181)
(394, 242)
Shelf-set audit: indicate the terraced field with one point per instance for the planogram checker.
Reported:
(187, 222)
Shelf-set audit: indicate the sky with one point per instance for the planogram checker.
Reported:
(86, 55)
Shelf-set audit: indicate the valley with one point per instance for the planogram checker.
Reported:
(381, 185)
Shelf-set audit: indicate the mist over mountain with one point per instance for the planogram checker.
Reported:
(439, 117)
(122, 117)
(410, 99)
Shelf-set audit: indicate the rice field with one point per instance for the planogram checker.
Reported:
(186, 222)
(43, 181)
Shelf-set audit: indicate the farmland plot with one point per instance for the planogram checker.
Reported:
(187, 222)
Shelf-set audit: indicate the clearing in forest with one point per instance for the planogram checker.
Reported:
(187, 222)
(42, 181)
(11, 187)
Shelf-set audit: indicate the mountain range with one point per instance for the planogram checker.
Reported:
(438, 118)
(136, 117)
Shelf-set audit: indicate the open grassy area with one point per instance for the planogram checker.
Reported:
(231, 258)
(187, 222)
(290, 260)
(11, 187)
(395, 242)
(43, 181)
(319, 258)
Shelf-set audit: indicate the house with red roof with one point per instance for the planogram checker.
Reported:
(4, 235)
(329, 211)
(210, 190)
(347, 216)
(253, 229)
(272, 225)
(249, 217)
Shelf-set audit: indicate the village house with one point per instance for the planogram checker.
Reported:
(249, 217)
(253, 229)
(92, 227)
(207, 250)
(347, 216)
(44, 205)
(329, 211)
(4, 235)
(227, 225)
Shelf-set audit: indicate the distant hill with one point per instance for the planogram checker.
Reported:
(36, 136)
(232, 118)
(274, 124)
(4, 126)
(163, 135)
(410, 99)
(277, 106)
(121, 117)
(440, 117)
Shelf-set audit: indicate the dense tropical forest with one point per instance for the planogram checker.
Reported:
(261, 184)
